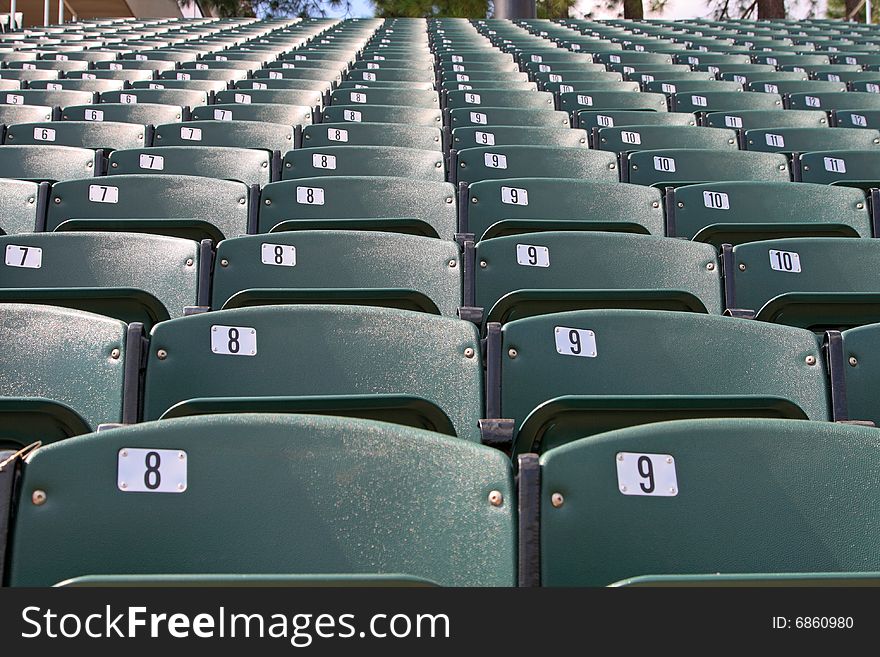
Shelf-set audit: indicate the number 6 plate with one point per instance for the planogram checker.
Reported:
(646, 474)
(151, 470)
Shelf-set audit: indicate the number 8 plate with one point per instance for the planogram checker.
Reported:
(151, 470)
(234, 340)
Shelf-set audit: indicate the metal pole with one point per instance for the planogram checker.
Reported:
(515, 9)
(46, 12)
(12, 24)
(868, 12)
(60, 11)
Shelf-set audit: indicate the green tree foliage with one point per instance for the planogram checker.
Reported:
(844, 8)
(429, 9)
(273, 8)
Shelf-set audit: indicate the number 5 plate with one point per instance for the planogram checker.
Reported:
(151, 470)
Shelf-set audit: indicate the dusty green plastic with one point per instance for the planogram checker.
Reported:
(753, 497)
(798, 140)
(19, 200)
(594, 270)
(562, 204)
(653, 365)
(370, 203)
(515, 136)
(355, 514)
(767, 210)
(235, 133)
(643, 137)
(837, 285)
(178, 97)
(757, 119)
(141, 113)
(376, 351)
(494, 162)
(81, 134)
(132, 277)
(655, 167)
(416, 273)
(42, 162)
(189, 206)
(714, 101)
(572, 101)
(247, 165)
(342, 160)
(287, 115)
(513, 116)
(372, 134)
(829, 166)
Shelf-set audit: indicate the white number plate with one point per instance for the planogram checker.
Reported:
(234, 340)
(310, 195)
(834, 164)
(646, 474)
(54, 86)
(275, 75)
(777, 141)
(369, 76)
(575, 342)
(664, 164)
(94, 115)
(29, 257)
(858, 120)
(485, 138)
(771, 88)
(733, 122)
(191, 134)
(630, 137)
(335, 134)
(154, 162)
(323, 161)
(128, 99)
(222, 115)
(243, 99)
(479, 118)
(358, 98)
(529, 255)
(44, 134)
(151, 470)
(103, 194)
(278, 254)
(473, 99)
(14, 99)
(495, 160)
(668, 88)
(605, 121)
(716, 200)
(514, 196)
(699, 101)
(585, 100)
(183, 76)
(812, 101)
(785, 261)
(351, 115)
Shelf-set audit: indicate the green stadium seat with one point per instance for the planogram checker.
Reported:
(268, 96)
(46, 97)
(391, 204)
(567, 375)
(495, 208)
(590, 119)
(363, 161)
(790, 140)
(397, 97)
(715, 101)
(55, 384)
(523, 275)
(23, 205)
(497, 162)
(514, 136)
(843, 167)
(289, 115)
(857, 119)
(382, 114)
(753, 580)
(354, 520)
(372, 134)
(763, 119)
(839, 100)
(81, 134)
(79, 84)
(250, 166)
(692, 86)
(678, 166)
(511, 116)
(177, 97)
(418, 273)
(140, 113)
(197, 85)
(44, 162)
(134, 278)
(796, 86)
(612, 100)
(419, 370)
(628, 138)
(180, 206)
(236, 134)
(760, 512)
(737, 212)
(813, 283)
